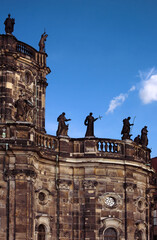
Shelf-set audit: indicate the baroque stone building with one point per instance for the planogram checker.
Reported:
(57, 187)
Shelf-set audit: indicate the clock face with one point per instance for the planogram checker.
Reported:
(110, 201)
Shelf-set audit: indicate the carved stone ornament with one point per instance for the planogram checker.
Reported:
(141, 204)
(24, 109)
(20, 173)
(89, 184)
(130, 187)
(64, 184)
(140, 233)
(43, 196)
(110, 200)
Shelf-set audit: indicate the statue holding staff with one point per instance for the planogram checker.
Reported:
(126, 128)
(89, 122)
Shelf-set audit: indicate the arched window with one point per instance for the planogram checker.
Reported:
(110, 234)
(41, 232)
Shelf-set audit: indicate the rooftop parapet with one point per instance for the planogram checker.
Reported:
(24, 133)
(9, 45)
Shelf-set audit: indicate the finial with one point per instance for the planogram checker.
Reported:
(9, 24)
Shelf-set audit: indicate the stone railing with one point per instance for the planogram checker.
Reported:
(124, 149)
(110, 146)
(24, 134)
(25, 49)
(46, 141)
(39, 57)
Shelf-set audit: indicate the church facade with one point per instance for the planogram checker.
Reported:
(57, 187)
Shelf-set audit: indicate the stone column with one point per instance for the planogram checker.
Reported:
(89, 214)
(20, 204)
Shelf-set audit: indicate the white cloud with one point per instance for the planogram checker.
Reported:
(148, 91)
(117, 101)
(132, 89)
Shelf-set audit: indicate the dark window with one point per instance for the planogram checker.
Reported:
(27, 77)
(42, 196)
(110, 234)
(41, 232)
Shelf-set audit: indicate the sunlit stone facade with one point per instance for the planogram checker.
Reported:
(55, 188)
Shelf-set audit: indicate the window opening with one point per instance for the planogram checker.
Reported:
(110, 234)
(41, 232)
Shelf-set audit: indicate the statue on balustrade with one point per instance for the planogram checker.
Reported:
(89, 122)
(137, 139)
(144, 138)
(24, 107)
(9, 25)
(62, 127)
(42, 42)
(126, 128)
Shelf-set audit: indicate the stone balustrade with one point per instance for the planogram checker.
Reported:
(111, 146)
(46, 141)
(25, 49)
(24, 133)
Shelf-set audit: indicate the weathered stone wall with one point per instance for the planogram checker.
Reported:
(78, 191)
(22, 72)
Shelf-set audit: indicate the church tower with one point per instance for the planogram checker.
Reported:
(23, 82)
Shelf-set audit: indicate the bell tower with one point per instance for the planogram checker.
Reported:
(23, 80)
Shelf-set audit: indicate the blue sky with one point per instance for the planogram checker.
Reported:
(103, 58)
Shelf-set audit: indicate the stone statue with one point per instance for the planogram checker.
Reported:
(89, 122)
(62, 127)
(137, 139)
(9, 25)
(126, 128)
(42, 42)
(24, 107)
(144, 138)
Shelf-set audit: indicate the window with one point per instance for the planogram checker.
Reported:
(41, 232)
(110, 234)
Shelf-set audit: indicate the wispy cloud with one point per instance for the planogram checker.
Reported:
(132, 89)
(148, 89)
(117, 101)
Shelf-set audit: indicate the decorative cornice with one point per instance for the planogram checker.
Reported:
(89, 184)
(130, 187)
(64, 184)
(20, 172)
